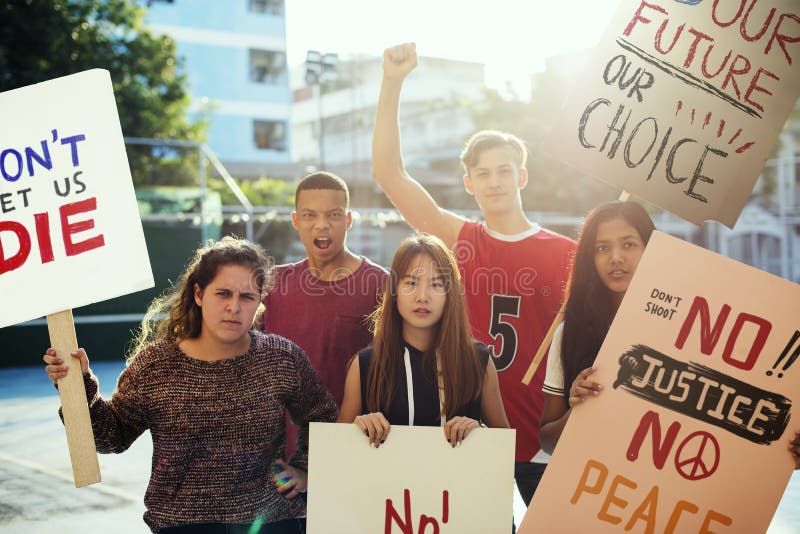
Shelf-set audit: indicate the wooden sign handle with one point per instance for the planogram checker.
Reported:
(543, 347)
(537, 359)
(78, 425)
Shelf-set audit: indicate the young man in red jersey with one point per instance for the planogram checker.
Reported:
(514, 272)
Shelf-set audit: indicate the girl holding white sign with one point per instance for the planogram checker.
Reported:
(213, 393)
(424, 368)
(609, 247)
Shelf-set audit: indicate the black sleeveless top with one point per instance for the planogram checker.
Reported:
(424, 386)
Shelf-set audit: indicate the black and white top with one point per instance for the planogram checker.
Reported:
(554, 379)
(415, 402)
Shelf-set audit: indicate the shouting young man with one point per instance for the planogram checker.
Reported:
(322, 303)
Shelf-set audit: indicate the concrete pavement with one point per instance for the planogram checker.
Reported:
(37, 494)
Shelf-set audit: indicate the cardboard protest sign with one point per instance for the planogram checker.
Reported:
(414, 482)
(682, 101)
(70, 232)
(700, 377)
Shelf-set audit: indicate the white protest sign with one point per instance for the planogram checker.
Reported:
(682, 101)
(414, 482)
(70, 232)
(691, 431)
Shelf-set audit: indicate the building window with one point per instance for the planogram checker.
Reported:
(271, 7)
(269, 135)
(267, 66)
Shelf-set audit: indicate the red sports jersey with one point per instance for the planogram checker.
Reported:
(514, 286)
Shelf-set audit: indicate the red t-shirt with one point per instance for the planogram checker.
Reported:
(328, 320)
(513, 287)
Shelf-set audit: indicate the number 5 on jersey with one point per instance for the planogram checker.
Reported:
(504, 306)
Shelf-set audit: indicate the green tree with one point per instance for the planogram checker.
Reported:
(276, 234)
(45, 39)
(270, 192)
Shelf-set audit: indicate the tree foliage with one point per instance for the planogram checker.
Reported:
(45, 39)
(270, 192)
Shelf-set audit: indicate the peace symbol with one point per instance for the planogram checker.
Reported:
(698, 461)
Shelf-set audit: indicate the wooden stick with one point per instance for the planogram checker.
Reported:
(537, 359)
(78, 425)
(543, 347)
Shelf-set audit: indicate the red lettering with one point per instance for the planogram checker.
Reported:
(764, 328)
(733, 70)
(424, 521)
(698, 36)
(24, 239)
(755, 87)
(783, 38)
(68, 229)
(660, 33)
(705, 68)
(638, 16)
(661, 449)
(708, 335)
(43, 236)
(406, 527)
(762, 31)
(727, 3)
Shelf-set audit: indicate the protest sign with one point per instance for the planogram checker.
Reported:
(682, 101)
(414, 482)
(70, 232)
(700, 375)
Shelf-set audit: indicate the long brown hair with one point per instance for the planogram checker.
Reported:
(175, 315)
(462, 374)
(590, 305)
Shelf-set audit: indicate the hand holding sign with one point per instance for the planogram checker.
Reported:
(70, 233)
(57, 368)
(416, 482)
(697, 407)
(583, 388)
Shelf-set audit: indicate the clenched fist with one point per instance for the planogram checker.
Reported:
(399, 60)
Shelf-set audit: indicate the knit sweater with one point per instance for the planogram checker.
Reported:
(217, 427)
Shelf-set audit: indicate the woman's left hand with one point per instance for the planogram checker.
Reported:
(794, 447)
(583, 387)
(457, 428)
(289, 480)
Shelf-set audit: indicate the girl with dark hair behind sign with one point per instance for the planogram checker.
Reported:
(610, 245)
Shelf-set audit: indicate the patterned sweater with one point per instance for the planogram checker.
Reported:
(216, 428)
